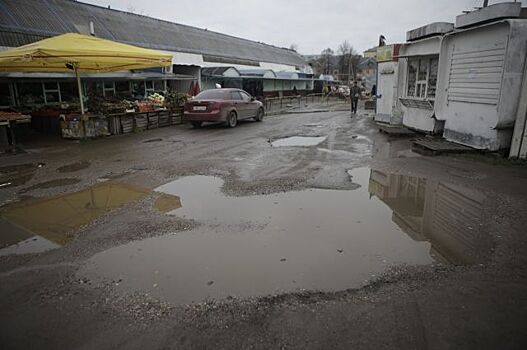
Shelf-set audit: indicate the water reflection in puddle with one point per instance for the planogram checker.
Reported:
(450, 217)
(299, 141)
(313, 239)
(53, 220)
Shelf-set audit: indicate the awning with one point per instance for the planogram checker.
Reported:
(87, 53)
(99, 76)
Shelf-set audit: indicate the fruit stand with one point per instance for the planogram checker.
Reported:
(77, 53)
(156, 112)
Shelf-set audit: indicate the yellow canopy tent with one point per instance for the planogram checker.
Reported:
(80, 53)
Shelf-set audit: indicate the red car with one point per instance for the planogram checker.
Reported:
(222, 105)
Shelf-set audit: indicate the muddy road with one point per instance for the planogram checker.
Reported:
(305, 231)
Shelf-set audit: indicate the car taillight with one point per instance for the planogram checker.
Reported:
(215, 106)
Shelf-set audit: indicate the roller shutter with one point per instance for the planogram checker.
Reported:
(476, 74)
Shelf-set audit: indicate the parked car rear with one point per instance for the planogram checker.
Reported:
(222, 105)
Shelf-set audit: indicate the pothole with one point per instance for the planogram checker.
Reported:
(298, 141)
(72, 167)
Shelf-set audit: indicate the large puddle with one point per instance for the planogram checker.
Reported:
(313, 239)
(40, 224)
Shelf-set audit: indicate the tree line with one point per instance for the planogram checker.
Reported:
(342, 63)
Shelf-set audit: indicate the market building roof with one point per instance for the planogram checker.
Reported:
(263, 73)
(26, 21)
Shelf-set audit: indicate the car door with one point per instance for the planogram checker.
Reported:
(237, 101)
(250, 105)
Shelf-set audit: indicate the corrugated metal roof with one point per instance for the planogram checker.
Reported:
(25, 21)
(287, 75)
(216, 71)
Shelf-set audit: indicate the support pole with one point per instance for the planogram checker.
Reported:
(79, 86)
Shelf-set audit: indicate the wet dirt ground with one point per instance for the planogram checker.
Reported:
(221, 238)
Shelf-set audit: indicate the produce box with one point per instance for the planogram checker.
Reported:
(76, 126)
(140, 122)
(145, 107)
(127, 123)
(164, 118)
(72, 129)
(97, 127)
(153, 120)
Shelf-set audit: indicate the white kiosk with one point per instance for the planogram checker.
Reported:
(482, 65)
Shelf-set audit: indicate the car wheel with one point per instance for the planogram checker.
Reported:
(196, 124)
(260, 115)
(232, 119)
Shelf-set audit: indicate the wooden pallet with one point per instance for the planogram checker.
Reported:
(394, 130)
(437, 147)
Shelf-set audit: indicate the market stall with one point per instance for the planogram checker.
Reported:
(76, 53)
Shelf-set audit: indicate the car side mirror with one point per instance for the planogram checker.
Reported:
(253, 99)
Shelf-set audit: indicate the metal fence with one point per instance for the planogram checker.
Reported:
(289, 102)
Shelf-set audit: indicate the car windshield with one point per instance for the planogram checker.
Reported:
(211, 95)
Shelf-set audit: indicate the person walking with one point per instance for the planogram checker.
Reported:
(354, 96)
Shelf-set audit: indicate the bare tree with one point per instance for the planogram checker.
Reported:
(344, 48)
(293, 47)
(348, 59)
(327, 56)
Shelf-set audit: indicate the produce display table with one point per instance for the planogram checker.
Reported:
(72, 125)
(123, 123)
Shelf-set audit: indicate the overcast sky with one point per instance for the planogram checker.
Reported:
(312, 25)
